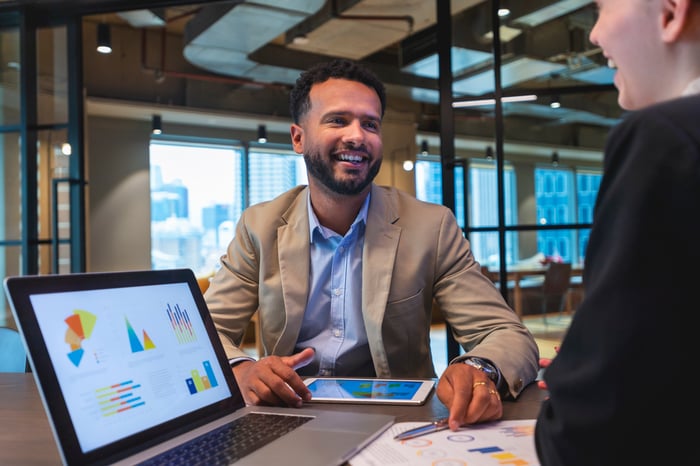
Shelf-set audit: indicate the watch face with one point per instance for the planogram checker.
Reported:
(486, 368)
(473, 363)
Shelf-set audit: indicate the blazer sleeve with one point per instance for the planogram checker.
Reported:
(482, 322)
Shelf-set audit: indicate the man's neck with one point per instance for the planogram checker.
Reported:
(336, 211)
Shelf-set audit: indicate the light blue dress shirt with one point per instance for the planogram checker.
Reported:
(333, 323)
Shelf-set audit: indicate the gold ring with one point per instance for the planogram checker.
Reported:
(494, 392)
(476, 384)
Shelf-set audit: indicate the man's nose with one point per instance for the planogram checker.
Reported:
(354, 132)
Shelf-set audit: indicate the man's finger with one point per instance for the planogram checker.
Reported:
(300, 359)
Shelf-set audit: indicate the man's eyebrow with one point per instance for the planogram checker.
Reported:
(347, 113)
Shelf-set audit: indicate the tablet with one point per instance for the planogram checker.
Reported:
(369, 390)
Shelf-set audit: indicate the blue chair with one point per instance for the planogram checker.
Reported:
(13, 357)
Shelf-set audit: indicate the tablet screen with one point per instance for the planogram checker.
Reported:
(370, 390)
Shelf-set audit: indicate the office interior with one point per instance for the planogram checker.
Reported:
(219, 70)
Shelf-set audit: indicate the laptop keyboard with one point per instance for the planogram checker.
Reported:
(230, 442)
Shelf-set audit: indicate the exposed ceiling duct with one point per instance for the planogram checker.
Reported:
(144, 18)
(220, 38)
(244, 55)
(260, 40)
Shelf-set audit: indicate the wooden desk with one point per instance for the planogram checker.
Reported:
(26, 438)
(25, 433)
(515, 274)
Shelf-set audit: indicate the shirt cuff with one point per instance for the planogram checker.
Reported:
(233, 361)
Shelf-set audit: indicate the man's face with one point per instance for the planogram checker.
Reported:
(340, 136)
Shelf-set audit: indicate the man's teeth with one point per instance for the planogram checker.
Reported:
(350, 158)
(611, 63)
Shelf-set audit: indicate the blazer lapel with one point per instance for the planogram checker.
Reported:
(293, 250)
(378, 257)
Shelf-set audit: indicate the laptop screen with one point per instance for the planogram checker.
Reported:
(128, 359)
(122, 358)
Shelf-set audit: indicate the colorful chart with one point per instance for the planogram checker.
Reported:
(181, 324)
(498, 443)
(80, 326)
(118, 398)
(136, 344)
(198, 383)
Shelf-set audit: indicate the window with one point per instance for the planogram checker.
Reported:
(428, 175)
(588, 184)
(199, 190)
(196, 191)
(483, 193)
(483, 208)
(565, 196)
(273, 171)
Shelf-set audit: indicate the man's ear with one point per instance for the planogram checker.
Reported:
(297, 133)
(674, 18)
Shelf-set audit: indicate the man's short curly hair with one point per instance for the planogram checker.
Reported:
(299, 103)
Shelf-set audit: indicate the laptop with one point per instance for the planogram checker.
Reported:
(129, 367)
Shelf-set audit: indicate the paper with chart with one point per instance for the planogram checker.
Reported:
(496, 443)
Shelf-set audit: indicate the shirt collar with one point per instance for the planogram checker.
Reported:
(315, 224)
(692, 88)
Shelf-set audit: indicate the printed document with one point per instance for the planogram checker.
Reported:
(495, 443)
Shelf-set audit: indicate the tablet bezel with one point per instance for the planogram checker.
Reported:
(419, 397)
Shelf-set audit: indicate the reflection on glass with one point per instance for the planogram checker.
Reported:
(52, 71)
(9, 76)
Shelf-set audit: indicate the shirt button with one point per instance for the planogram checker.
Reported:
(338, 291)
(336, 333)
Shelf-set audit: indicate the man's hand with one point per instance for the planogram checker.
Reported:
(273, 381)
(469, 394)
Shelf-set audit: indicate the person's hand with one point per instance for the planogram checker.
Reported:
(469, 394)
(273, 381)
(544, 363)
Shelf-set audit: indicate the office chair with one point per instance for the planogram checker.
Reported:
(13, 357)
(555, 287)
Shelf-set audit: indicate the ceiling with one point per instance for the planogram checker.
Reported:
(244, 56)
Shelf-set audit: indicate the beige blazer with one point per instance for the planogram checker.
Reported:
(414, 251)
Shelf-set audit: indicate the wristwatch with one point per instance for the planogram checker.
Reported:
(485, 367)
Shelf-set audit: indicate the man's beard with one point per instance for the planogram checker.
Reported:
(323, 172)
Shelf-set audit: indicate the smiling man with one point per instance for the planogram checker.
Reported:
(343, 272)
